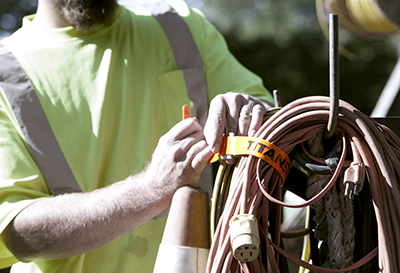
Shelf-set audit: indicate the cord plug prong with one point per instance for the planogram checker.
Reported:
(354, 179)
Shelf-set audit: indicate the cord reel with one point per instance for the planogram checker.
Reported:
(368, 19)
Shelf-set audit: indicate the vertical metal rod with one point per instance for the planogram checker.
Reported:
(277, 98)
(333, 74)
(389, 93)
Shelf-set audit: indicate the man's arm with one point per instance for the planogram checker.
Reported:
(72, 224)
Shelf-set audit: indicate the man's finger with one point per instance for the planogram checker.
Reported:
(201, 153)
(216, 124)
(257, 115)
(244, 121)
(234, 104)
(183, 129)
(185, 145)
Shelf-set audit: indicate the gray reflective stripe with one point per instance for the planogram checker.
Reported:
(188, 59)
(37, 131)
(187, 56)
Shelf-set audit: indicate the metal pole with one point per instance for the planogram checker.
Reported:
(333, 74)
(389, 94)
(277, 98)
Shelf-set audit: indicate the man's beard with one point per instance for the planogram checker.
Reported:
(86, 14)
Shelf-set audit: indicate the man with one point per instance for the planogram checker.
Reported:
(108, 83)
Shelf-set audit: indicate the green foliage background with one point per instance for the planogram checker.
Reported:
(283, 43)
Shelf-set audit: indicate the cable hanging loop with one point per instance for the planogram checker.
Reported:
(333, 74)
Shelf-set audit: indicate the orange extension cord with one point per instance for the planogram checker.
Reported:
(256, 186)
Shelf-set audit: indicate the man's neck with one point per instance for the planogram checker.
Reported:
(47, 15)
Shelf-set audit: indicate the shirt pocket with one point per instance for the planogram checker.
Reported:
(185, 86)
(173, 95)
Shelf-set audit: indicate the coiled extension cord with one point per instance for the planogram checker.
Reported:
(255, 187)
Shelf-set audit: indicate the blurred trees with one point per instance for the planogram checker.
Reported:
(283, 43)
(11, 12)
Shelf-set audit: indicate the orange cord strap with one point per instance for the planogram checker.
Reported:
(258, 147)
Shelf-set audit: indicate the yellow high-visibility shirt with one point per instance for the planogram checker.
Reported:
(109, 94)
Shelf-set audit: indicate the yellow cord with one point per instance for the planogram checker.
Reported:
(306, 253)
(319, 6)
(368, 15)
(220, 194)
(214, 198)
(362, 17)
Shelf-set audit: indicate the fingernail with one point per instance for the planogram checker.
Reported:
(215, 149)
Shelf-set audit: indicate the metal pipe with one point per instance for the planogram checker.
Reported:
(389, 93)
(333, 74)
(277, 98)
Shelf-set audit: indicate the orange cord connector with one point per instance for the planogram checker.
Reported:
(185, 112)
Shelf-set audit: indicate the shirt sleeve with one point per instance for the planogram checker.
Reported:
(223, 71)
(21, 182)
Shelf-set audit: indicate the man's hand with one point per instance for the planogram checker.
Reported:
(180, 156)
(235, 113)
